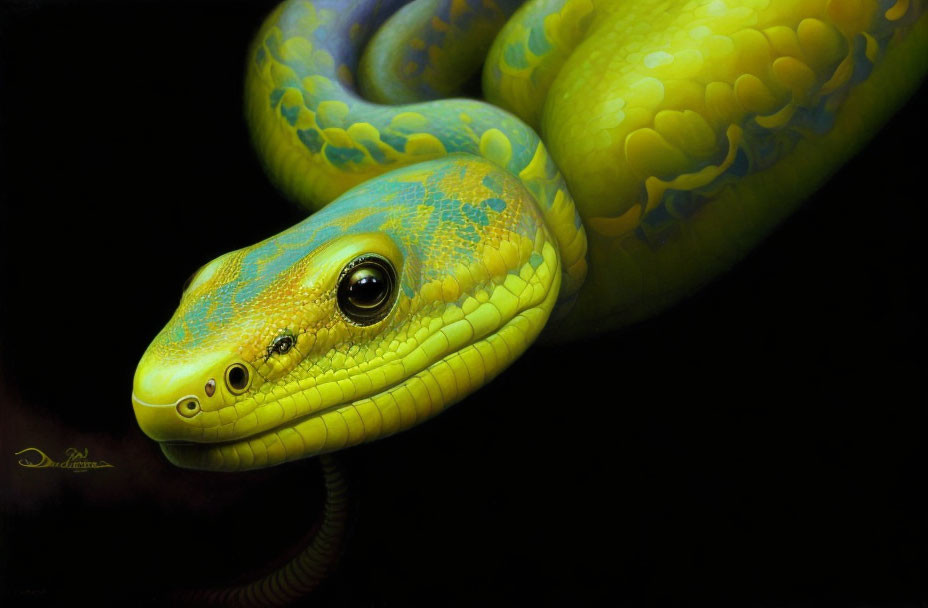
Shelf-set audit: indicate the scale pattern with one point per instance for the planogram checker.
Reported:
(685, 130)
(430, 49)
(676, 134)
(319, 138)
(478, 274)
(695, 116)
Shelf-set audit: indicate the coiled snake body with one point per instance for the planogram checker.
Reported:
(629, 152)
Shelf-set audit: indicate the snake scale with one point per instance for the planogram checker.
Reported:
(625, 154)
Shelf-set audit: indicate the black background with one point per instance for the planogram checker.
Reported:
(761, 444)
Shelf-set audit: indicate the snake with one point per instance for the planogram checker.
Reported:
(620, 155)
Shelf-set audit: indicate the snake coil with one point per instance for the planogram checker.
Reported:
(627, 152)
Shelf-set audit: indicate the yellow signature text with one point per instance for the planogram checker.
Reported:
(75, 460)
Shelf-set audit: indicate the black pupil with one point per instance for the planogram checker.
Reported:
(367, 287)
(238, 377)
(283, 345)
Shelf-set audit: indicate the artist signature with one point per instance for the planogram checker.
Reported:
(75, 460)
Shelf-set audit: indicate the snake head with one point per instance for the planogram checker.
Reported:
(398, 299)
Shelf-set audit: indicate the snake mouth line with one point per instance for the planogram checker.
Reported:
(227, 455)
(276, 429)
(194, 454)
(208, 445)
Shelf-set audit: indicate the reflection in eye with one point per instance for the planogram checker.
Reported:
(366, 289)
(280, 346)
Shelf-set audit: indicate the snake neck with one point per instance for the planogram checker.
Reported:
(318, 137)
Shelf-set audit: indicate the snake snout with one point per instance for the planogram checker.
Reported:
(176, 400)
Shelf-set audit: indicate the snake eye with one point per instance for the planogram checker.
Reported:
(366, 288)
(281, 345)
(237, 378)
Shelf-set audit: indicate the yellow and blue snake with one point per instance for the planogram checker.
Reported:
(626, 153)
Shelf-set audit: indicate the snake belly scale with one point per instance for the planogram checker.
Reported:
(625, 153)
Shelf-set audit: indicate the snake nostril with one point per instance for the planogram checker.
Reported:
(237, 378)
(188, 408)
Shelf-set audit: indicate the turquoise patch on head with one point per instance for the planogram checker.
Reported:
(493, 183)
(496, 204)
(468, 233)
(475, 214)
(370, 223)
(177, 333)
(535, 259)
